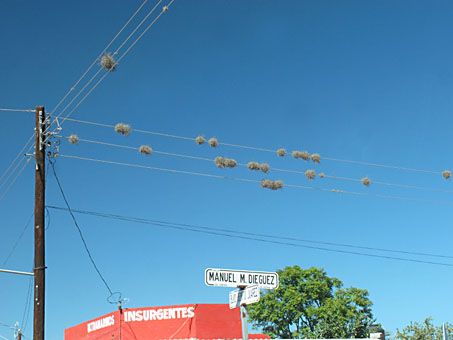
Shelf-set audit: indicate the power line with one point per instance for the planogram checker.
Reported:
(261, 149)
(259, 234)
(97, 58)
(138, 26)
(271, 168)
(18, 240)
(14, 180)
(21, 152)
(116, 63)
(401, 198)
(247, 236)
(12, 172)
(79, 230)
(390, 184)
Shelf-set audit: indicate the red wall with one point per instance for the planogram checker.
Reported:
(201, 321)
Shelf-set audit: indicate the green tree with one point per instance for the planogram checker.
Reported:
(423, 331)
(309, 304)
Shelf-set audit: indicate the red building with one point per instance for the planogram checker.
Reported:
(194, 321)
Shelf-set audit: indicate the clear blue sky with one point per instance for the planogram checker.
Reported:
(359, 80)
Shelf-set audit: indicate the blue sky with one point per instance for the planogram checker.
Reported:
(367, 81)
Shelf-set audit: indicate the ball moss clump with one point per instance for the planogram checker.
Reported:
(316, 158)
(145, 149)
(264, 167)
(253, 166)
(281, 152)
(310, 174)
(108, 63)
(301, 154)
(366, 181)
(73, 139)
(123, 129)
(200, 140)
(273, 185)
(225, 162)
(213, 142)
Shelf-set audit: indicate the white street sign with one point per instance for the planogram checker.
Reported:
(246, 296)
(237, 278)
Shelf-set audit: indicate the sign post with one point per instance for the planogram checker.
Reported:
(244, 323)
(249, 284)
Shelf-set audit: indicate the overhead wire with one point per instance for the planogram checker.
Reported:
(79, 230)
(256, 181)
(230, 230)
(159, 169)
(258, 148)
(116, 62)
(99, 56)
(271, 168)
(389, 184)
(21, 152)
(242, 235)
(14, 180)
(18, 240)
(13, 171)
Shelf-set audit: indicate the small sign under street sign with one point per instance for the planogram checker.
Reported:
(237, 278)
(246, 296)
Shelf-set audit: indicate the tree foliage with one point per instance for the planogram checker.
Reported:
(423, 331)
(309, 304)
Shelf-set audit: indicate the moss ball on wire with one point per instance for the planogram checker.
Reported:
(273, 185)
(305, 155)
(200, 140)
(321, 175)
(225, 162)
(231, 163)
(145, 149)
(446, 174)
(220, 162)
(316, 158)
(123, 129)
(301, 154)
(310, 174)
(253, 166)
(366, 181)
(281, 152)
(108, 63)
(265, 167)
(73, 139)
(213, 142)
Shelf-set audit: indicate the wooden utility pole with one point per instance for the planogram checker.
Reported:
(40, 264)
(19, 335)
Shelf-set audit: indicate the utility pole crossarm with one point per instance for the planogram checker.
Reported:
(15, 272)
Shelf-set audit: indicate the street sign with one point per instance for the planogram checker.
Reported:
(246, 296)
(238, 278)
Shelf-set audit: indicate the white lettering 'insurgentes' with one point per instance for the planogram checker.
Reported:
(101, 323)
(159, 314)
